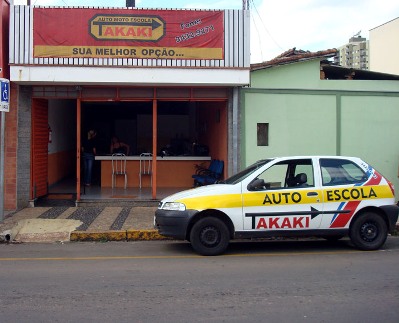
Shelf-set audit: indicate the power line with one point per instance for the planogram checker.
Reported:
(259, 39)
(264, 26)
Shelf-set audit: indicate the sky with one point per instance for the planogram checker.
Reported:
(277, 26)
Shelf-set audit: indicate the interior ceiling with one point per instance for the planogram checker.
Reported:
(131, 109)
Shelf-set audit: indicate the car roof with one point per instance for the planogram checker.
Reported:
(313, 156)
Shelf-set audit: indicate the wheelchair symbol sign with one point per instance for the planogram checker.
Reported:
(4, 95)
(4, 91)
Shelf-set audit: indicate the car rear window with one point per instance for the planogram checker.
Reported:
(341, 172)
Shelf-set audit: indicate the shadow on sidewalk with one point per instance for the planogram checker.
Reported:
(54, 199)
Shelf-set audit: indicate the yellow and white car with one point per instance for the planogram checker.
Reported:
(325, 196)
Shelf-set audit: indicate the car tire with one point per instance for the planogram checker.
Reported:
(209, 236)
(369, 231)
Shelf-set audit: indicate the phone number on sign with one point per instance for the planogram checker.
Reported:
(197, 33)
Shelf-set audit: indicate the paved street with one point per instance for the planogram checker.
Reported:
(164, 281)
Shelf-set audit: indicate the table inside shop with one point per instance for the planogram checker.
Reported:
(172, 171)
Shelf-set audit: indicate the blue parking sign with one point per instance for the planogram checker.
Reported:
(4, 95)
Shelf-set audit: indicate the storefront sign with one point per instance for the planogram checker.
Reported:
(5, 94)
(115, 33)
(127, 27)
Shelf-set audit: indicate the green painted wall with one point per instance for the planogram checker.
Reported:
(287, 76)
(291, 117)
(309, 116)
(370, 130)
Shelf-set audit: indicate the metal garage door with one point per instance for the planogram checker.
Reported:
(39, 151)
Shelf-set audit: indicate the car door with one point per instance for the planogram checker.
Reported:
(344, 186)
(289, 199)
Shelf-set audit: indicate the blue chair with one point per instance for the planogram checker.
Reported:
(209, 175)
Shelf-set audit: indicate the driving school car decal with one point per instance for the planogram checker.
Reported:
(346, 198)
(341, 218)
(350, 199)
(282, 220)
(327, 197)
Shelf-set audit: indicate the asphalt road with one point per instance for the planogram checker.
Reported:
(164, 281)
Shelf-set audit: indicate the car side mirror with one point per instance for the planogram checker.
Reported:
(256, 185)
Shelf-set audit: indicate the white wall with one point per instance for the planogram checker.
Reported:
(62, 120)
(384, 48)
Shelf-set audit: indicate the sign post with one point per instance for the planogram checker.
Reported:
(4, 107)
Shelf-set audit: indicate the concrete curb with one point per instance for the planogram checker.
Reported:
(128, 235)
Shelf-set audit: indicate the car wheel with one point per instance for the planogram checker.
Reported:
(209, 237)
(369, 231)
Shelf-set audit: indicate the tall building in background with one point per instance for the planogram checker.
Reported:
(384, 47)
(354, 54)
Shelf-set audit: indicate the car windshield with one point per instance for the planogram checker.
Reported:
(246, 172)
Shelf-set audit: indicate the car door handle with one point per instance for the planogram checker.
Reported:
(312, 194)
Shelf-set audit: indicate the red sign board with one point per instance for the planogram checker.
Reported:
(118, 33)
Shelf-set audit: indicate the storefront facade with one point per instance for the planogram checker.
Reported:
(161, 80)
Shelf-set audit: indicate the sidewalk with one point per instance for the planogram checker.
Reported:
(62, 223)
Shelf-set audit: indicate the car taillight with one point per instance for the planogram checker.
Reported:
(392, 187)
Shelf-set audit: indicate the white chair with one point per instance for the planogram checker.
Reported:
(118, 168)
(145, 166)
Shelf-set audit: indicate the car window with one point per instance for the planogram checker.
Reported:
(305, 169)
(246, 172)
(341, 172)
(274, 176)
(289, 174)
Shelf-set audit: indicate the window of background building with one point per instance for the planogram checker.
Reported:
(263, 134)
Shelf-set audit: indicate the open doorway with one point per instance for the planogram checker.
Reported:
(62, 148)
(53, 153)
(181, 125)
(131, 122)
(186, 129)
